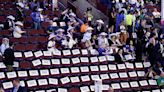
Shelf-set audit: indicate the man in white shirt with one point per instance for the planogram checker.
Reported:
(17, 33)
(4, 45)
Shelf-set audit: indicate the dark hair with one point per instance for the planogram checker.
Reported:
(11, 44)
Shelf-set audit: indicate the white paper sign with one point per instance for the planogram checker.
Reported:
(129, 65)
(18, 54)
(44, 72)
(38, 54)
(62, 24)
(146, 64)
(143, 83)
(65, 61)
(2, 75)
(84, 69)
(31, 83)
(66, 52)
(28, 54)
(46, 62)
(85, 78)
(11, 75)
(123, 75)
(54, 71)
(134, 84)
(75, 60)
(112, 67)
(57, 53)
(103, 67)
(62, 90)
(110, 58)
(36, 62)
(75, 79)
(125, 85)
(22, 73)
(84, 89)
(53, 81)
(141, 73)
(94, 68)
(121, 66)
(75, 51)
(16, 64)
(139, 65)
(84, 59)
(94, 59)
(64, 70)
(102, 58)
(7, 85)
(104, 76)
(33, 72)
(22, 83)
(128, 57)
(75, 70)
(114, 75)
(2, 65)
(84, 52)
(152, 82)
(94, 52)
(55, 61)
(133, 74)
(65, 80)
(47, 53)
(115, 86)
(95, 77)
(42, 82)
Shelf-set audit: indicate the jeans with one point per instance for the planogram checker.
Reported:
(37, 25)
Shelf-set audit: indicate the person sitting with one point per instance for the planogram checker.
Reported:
(51, 28)
(102, 40)
(9, 24)
(84, 27)
(9, 57)
(99, 27)
(17, 87)
(103, 50)
(114, 41)
(4, 45)
(51, 43)
(17, 33)
(19, 11)
(119, 57)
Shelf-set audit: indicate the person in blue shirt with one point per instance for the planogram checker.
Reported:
(17, 87)
(119, 19)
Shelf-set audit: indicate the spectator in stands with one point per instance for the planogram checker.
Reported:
(102, 39)
(4, 45)
(51, 43)
(1, 90)
(33, 4)
(119, 19)
(88, 16)
(19, 11)
(9, 57)
(84, 27)
(17, 33)
(17, 87)
(129, 22)
(114, 41)
(99, 27)
(119, 56)
(36, 17)
(103, 50)
(10, 23)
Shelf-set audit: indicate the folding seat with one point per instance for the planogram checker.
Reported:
(153, 83)
(85, 79)
(36, 63)
(45, 25)
(65, 71)
(66, 62)
(43, 83)
(32, 39)
(62, 90)
(22, 74)
(85, 89)
(84, 61)
(74, 89)
(29, 55)
(4, 32)
(46, 63)
(27, 12)
(134, 85)
(84, 52)
(33, 73)
(21, 40)
(112, 68)
(125, 86)
(38, 54)
(75, 81)
(133, 75)
(75, 61)
(53, 82)
(18, 55)
(55, 72)
(42, 39)
(31, 83)
(19, 47)
(76, 52)
(85, 70)
(103, 59)
(67, 53)
(94, 60)
(75, 70)
(2, 18)
(123, 76)
(110, 58)
(56, 62)
(121, 67)
(11, 75)
(57, 53)
(103, 68)
(44, 72)
(7, 85)
(94, 69)
(144, 84)
(65, 80)
(139, 66)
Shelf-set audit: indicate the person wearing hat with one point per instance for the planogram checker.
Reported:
(4, 45)
(17, 33)
(87, 38)
(9, 24)
(19, 11)
(114, 41)
(51, 43)
(102, 39)
(60, 36)
(99, 27)
(36, 18)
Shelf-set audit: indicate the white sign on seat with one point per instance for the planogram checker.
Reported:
(134, 84)
(31, 83)
(133, 74)
(114, 75)
(128, 57)
(102, 58)
(112, 67)
(33, 72)
(44, 72)
(16, 64)
(2, 65)
(129, 65)
(75, 70)
(76, 52)
(141, 73)
(75, 60)
(28, 54)
(94, 52)
(38, 54)
(84, 69)
(152, 82)
(143, 83)
(103, 68)
(11, 75)
(18, 54)
(66, 52)
(95, 77)
(125, 85)
(121, 66)
(36, 62)
(47, 53)
(53, 81)
(85, 89)
(110, 58)
(54, 71)
(65, 80)
(94, 68)
(94, 59)
(22, 73)
(46, 62)
(65, 61)
(115, 86)
(75, 79)
(104, 76)
(84, 52)
(2, 75)
(62, 90)
(85, 78)
(7, 85)
(22, 83)
(57, 53)
(139, 65)
(42, 82)
(84, 59)
(123, 75)
(55, 61)
(64, 70)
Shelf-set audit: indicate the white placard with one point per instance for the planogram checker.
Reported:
(156, 90)
(11, 75)
(64, 70)
(36, 62)
(121, 66)
(85, 89)
(44, 72)
(112, 67)
(53, 81)
(18, 54)
(143, 83)
(33, 72)
(105, 87)
(76, 52)
(134, 84)
(103, 68)
(146, 64)
(65, 80)
(46, 62)
(62, 90)
(62, 24)
(7, 85)
(16, 64)
(110, 58)
(84, 69)
(65, 61)
(75, 79)
(92, 87)
(2, 65)
(114, 75)
(152, 82)
(85, 78)
(133, 74)
(94, 59)
(115, 85)
(94, 68)
(55, 61)
(94, 52)
(125, 85)
(31, 83)
(128, 57)
(57, 53)
(104, 76)
(102, 58)
(75, 60)
(54, 71)
(28, 54)
(141, 73)
(22, 83)
(95, 77)
(66, 52)
(42, 82)
(129, 65)
(47, 53)
(22, 73)
(38, 54)
(84, 52)
(2, 75)
(75, 70)
(123, 75)
(139, 65)
(84, 59)
(54, 24)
